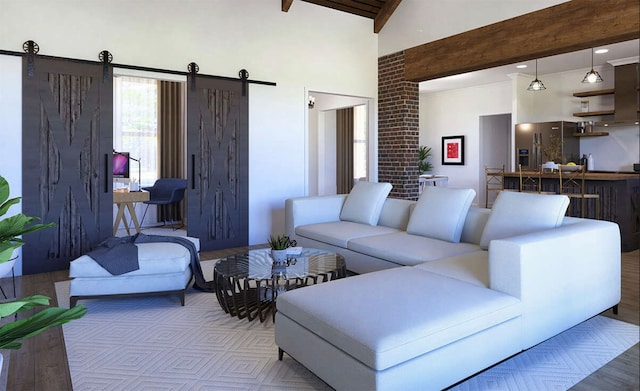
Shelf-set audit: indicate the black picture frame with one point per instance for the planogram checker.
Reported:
(453, 150)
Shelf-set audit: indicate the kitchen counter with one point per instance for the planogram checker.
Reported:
(619, 199)
(594, 175)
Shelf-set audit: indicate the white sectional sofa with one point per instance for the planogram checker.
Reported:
(441, 297)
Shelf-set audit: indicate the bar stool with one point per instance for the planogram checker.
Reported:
(494, 181)
(572, 185)
(531, 182)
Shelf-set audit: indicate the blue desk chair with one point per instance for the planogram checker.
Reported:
(165, 191)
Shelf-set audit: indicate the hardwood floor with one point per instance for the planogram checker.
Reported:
(41, 364)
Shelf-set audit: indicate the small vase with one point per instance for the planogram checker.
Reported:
(279, 256)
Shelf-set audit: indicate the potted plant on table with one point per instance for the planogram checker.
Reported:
(552, 152)
(279, 245)
(424, 165)
(11, 228)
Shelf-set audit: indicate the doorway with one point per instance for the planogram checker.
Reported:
(149, 127)
(495, 149)
(322, 141)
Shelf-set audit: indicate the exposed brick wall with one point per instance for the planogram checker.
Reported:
(398, 127)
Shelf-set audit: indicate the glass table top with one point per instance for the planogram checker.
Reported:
(258, 264)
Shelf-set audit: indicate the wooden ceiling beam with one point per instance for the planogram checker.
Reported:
(567, 27)
(355, 8)
(286, 4)
(384, 14)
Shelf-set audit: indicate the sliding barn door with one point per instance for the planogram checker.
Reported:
(217, 151)
(67, 147)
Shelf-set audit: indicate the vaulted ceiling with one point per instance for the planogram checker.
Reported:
(378, 10)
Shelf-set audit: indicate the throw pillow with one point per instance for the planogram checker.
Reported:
(515, 213)
(440, 213)
(364, 202)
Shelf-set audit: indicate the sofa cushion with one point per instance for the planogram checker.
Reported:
(396, 212)
(440, 213)
(471, 267)
(516, 213)
(402, 313)
(406, 249)
(364, 202)
(339, 233)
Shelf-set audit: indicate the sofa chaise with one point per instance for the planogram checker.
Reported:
(446, 290)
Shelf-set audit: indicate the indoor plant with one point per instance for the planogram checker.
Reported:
(551, 151)
(279, 245)
(424, 165)
(13, 332)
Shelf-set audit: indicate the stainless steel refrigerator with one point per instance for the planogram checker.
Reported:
(531, 139)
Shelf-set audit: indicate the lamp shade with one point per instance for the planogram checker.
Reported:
(536, 84)
(592, 76)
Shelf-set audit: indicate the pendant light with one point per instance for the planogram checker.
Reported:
(592, 76)
(536, 85)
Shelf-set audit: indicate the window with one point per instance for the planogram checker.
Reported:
(360, 141)
(135, 128)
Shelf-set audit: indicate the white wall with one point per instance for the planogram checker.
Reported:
(457, 112)
(222, 36)
(557, 102)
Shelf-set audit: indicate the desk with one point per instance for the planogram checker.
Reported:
(125, 198)
(430, 180)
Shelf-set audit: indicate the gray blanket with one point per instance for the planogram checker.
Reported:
(119, 255)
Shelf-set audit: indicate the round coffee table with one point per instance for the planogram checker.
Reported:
(247, 284)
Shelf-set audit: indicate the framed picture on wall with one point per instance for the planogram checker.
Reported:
(453, 150)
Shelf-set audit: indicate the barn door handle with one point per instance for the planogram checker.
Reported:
(106, 172)
(193, 171)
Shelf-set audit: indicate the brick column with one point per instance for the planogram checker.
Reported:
(398, 127)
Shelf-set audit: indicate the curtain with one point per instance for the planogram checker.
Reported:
(344, 150)
(171, 142)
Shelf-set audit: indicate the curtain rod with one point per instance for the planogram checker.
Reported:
(138, 68)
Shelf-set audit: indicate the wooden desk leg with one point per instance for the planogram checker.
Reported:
(126, 223)
(134, 218)
(119, 218)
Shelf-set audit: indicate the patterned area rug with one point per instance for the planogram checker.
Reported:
(155, 343)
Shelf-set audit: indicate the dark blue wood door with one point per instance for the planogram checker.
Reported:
(66, 148)
(218, 159)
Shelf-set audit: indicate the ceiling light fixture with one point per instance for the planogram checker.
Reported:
(536, 85)
(521, 66)
(602, 51)
(592, 76)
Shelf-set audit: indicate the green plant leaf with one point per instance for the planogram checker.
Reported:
(424, 153)
(4, 207)
(279, 242)
(19, 330)
(4, 190)
(23, 304)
